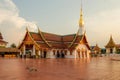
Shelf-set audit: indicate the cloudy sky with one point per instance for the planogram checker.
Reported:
(102, 18)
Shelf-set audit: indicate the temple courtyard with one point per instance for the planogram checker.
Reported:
(99, 68)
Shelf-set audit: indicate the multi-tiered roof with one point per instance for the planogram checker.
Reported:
(49, 40)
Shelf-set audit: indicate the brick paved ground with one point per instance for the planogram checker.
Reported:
(59, 69)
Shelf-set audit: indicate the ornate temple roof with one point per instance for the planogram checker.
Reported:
(96, 48)
(49, 40)
(111, 43)
(55, 41)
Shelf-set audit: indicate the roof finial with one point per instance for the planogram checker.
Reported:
(81, 4)
(81, 22)
(27, 27)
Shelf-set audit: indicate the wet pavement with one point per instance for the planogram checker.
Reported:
(101, 68)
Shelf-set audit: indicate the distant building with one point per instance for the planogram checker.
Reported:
(49, 45)
(111, 46)
(118, 48)
(95, 50)
(7, 52)
(2, 42)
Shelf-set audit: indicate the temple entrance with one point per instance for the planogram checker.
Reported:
(28, 51)
(58, 55)
(44, 54)
(111, 50)
(62, 55)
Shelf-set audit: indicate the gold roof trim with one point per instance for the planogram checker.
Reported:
(27, 31)
(73, 39)
(43, 38)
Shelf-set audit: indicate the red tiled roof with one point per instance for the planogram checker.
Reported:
(68, 38)
(36, 36)
(56, 41)
(52, 37)
(49, 40)
(1, 41)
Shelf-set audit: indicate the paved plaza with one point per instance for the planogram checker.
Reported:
(101, 68)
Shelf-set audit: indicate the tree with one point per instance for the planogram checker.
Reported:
(13, 45)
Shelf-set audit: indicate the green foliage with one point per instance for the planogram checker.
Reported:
(118, 51)
(13, 45)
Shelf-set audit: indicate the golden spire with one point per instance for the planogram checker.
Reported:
(81, 22)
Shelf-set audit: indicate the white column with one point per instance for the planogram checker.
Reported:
(75, 53)
(84, 54)
(88, 53)
(55, 52)
(48, 53)
(81, 55)
(52, 53)
(24, 50)
(33, 50)
(20, 53)
(114, 50)
(39, 53)
(68, 52)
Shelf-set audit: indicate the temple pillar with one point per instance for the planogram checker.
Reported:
(55, 53)
(48, 54)
(75, 53)
(68, 52)
(81, 54)
(33, 53)
(24, 51)
(114, 50)
(84, 54)
(88, 53)
(39, 54)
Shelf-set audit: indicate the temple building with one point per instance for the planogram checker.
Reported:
(111, 46)
(2, 42)
(95, 50)
(5, 51)
(49, 45)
